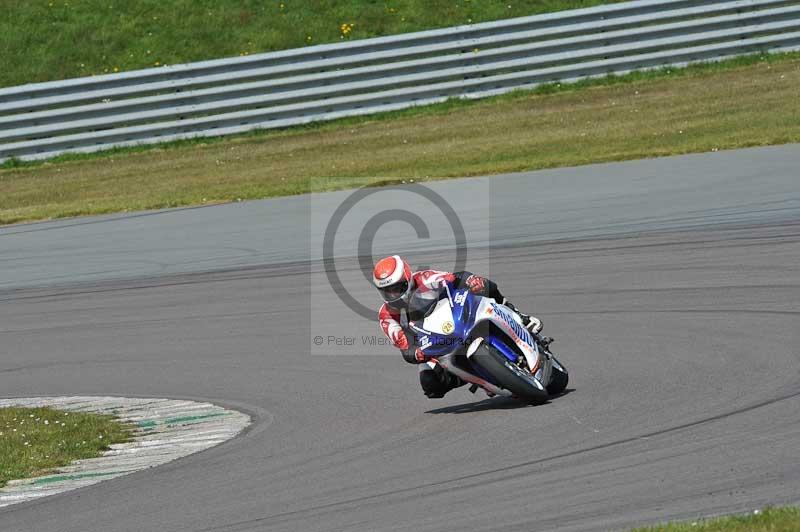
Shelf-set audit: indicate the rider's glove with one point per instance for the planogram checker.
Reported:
(476, 283)
(414, 355)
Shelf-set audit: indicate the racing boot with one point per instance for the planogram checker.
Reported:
(533, 324)
(545, 341)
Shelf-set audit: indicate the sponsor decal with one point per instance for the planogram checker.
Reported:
(425, 342)
(448, 327)
(460, 298)
(518, 329)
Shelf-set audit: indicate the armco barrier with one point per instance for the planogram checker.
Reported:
(280, 89)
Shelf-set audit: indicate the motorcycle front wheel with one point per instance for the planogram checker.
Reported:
(508, 375)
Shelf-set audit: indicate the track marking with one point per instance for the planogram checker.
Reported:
(166, 430)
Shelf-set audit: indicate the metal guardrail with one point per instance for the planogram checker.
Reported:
(316, 83)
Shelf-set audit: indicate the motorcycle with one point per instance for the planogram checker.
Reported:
(485, 344)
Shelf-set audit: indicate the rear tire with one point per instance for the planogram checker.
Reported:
(558, 380)
(508, 375)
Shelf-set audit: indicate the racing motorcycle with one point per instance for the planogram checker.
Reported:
(484, 343)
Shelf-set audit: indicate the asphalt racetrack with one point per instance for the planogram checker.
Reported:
(671, 285)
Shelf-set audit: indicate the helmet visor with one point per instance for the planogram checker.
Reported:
(394, 291)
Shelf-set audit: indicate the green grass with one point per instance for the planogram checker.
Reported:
(768, 520)
(34, 441)
(45, 40)
(745, 102)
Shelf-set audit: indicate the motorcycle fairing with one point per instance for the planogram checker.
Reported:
(509, 322)
(441, 320)
(460, 311)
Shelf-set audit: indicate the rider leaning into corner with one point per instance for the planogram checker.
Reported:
(396, 282)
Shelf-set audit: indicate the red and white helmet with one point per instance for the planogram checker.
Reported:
(392, 278)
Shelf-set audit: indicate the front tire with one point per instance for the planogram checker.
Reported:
(508, 375)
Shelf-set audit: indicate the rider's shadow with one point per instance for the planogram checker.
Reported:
(490, 403)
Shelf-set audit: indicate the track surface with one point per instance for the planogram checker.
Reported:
(672, 286)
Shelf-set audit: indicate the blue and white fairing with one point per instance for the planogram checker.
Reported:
(452, 315)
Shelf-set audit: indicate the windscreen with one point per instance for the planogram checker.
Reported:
(422, 302)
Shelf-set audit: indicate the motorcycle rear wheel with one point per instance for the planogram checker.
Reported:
(558, 380)
(509, 375)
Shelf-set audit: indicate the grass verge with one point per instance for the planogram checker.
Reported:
(56, 39)
(34, 441)
(749, 101)
(767, 520)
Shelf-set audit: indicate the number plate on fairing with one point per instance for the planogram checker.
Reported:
(441, 319)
